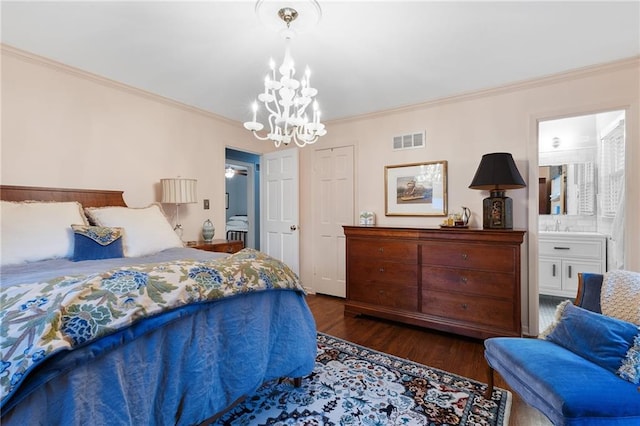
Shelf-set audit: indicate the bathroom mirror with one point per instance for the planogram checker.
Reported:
(567, 189)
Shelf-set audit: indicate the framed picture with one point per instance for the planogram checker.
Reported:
(418, 189)
(226, 200)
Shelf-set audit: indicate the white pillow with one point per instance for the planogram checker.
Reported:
(146, 230)
(238, 223)
(242, 218)
(33, 230)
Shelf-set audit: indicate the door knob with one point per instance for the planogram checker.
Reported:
(293, 227)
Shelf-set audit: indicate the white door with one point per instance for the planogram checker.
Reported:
(332, 207)
(280, 237)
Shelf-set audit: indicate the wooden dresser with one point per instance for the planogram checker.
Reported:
(464, 281)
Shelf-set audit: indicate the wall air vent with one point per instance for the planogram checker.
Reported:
(411, 141)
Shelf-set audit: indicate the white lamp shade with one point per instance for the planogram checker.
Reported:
(178, 191)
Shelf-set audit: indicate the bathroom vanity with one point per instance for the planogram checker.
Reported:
(562, 255)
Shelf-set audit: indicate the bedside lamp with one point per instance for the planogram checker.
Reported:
(178, 191)
(496, 173)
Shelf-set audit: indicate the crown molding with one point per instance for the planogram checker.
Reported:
(619, 65)
(633, 62)
(95, 78)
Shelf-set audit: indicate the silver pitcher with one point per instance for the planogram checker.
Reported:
(466, 215)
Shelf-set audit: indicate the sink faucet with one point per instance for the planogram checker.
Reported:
(557, 228)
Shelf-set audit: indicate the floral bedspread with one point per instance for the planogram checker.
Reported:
(40, 319)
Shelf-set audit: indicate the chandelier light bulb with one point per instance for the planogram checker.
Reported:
(286, 100)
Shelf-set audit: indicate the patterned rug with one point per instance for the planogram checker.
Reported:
(354, 385)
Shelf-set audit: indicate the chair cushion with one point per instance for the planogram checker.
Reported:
(591, 285)
(565, 387)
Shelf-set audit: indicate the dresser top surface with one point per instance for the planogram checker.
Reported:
(415, 233)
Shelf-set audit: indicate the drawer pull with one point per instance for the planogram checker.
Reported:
(465, 256)
(463, 280)
(553, 270)
(562, 248)
(464, 306)
(381, 270)
(381, 249)
(569, 271)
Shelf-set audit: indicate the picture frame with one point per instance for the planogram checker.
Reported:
(226, 200)
(417, 189)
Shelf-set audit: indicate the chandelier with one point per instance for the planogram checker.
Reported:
(286, 99)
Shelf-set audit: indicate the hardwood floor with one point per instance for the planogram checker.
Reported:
(456, 354)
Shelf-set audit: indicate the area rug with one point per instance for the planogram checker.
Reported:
(354, 385)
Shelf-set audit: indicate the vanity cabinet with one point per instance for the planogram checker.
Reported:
(562, 256)
(464, 281)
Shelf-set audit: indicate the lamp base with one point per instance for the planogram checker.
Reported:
(178, 230)
(497, 211)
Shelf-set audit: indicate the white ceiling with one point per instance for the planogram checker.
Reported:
(365, 56)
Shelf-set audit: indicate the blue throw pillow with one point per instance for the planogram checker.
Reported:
(603, 340)
(96, 242)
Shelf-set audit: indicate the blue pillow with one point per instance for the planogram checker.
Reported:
(96, 242)
(598, 338)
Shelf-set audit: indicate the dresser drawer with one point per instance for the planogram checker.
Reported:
(473, 256)
(471, 309)
(403, 297)
(382, 271)
(582, 249)
(399, 251)
(468, 281)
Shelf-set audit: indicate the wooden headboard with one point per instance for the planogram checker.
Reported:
(86, 197)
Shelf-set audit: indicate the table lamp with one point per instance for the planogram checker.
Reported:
(496, 173)
(178, 191)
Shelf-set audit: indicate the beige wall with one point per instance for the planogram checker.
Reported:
(64, 128)
(461, 129)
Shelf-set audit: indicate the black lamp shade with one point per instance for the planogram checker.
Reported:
(497, 172)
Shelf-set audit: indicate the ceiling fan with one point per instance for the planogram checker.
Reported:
(231, 171)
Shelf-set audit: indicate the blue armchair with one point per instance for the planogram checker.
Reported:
(566, 385)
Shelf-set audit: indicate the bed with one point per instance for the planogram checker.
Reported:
(169, 337)
(237, 228)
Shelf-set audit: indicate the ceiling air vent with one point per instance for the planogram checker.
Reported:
(414, 140)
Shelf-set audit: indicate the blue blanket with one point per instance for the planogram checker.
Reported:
(96, 313)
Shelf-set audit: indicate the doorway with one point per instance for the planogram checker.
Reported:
(581, 203)
(242, 198)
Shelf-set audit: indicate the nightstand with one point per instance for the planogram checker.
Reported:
(224, 246)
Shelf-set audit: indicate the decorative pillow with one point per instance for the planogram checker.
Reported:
(620, 296)
(146, 230)
(603, 340)
(238, 223)
(96, 242)
(557, 316)
(37, 230)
